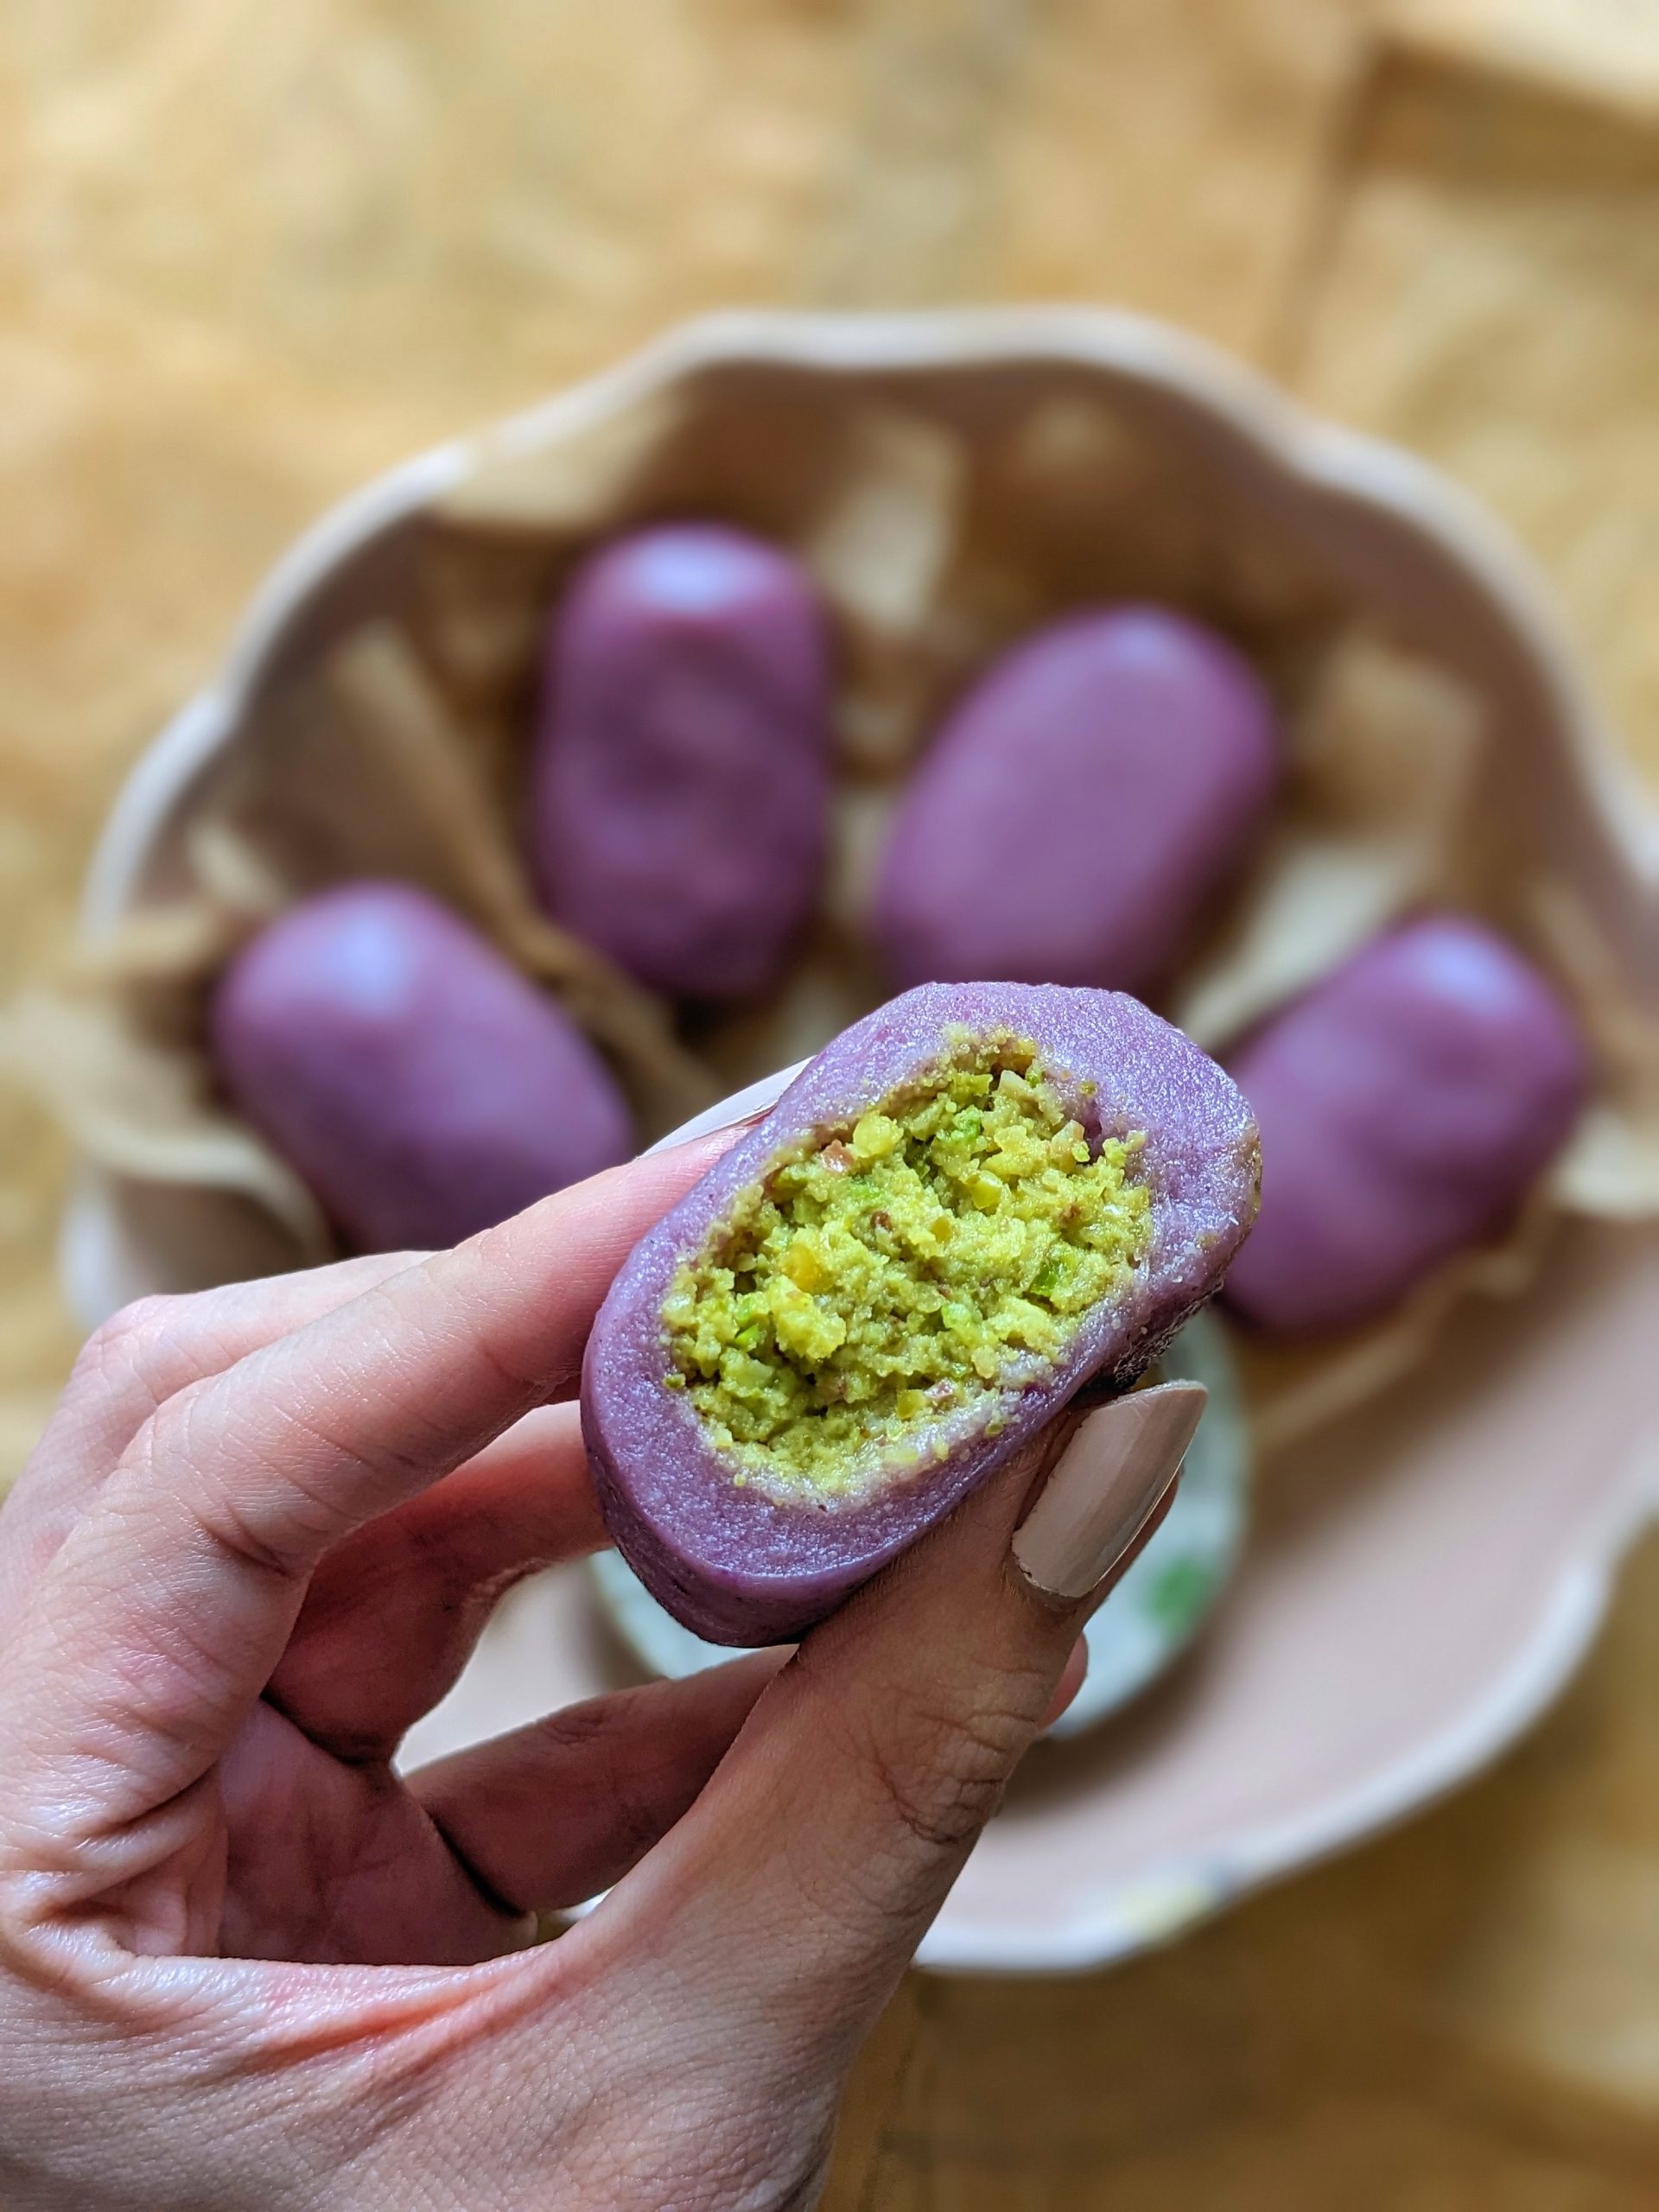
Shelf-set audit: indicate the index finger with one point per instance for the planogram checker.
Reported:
(164, 1612)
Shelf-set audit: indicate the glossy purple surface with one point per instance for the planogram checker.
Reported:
(738, 1567)
(681, 788)
(419, 1085)
(1406, 1103)
(1080, 806)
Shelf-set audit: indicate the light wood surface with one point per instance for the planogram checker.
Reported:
(250, 254)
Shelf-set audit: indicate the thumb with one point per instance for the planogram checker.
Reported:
(795, 1892)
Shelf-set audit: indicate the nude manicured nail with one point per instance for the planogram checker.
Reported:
(1105, 1486)
(749, 1104)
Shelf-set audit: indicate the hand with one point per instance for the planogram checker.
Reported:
(243, 1964)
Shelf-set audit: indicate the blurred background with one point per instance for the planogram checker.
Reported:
(250, 256)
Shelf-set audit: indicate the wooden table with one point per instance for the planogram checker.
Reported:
(248, 255)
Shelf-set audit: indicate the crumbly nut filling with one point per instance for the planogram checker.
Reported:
(915, 1268)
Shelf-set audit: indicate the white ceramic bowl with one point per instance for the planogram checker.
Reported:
(1424, 1573)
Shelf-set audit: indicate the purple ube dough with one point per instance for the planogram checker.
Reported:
(735, 1566)
(413, 1079)
(1079, 807)
(1406, 1103)
(681, 795)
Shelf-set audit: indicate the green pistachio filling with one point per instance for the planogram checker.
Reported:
(903, 1278)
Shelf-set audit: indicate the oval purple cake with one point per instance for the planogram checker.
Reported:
(681, 778)
(1407, 1103)
(420, 1084)
(1081, 807)
(971, 1203)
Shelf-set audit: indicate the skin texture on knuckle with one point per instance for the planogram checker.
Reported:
(122, 1351)
(942, 1771)
(165, 1464)
(916, 1776)
(180, 1451)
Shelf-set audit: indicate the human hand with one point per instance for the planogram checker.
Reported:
(243, 1964)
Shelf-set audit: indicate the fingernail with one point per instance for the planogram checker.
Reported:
(748, 1104)
(1105, 1487)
